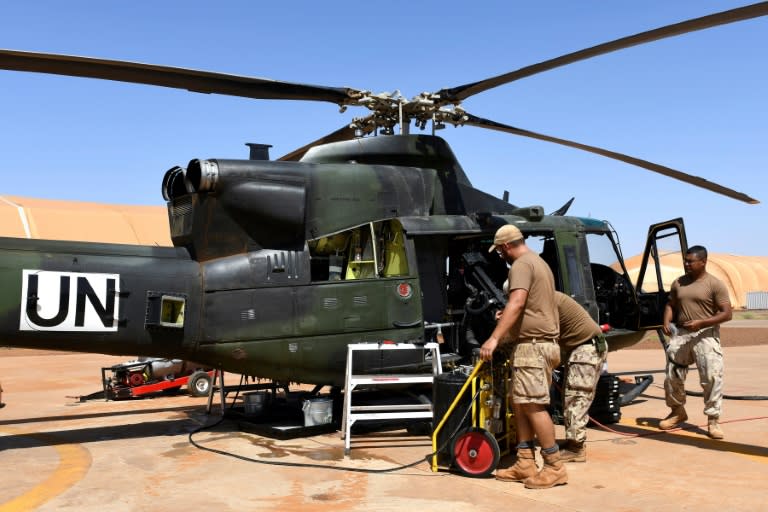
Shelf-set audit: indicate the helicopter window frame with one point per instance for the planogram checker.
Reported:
(351, 254)
(574, 270)
(362, 259)
(545, 244)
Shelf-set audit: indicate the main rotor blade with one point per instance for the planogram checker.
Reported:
(666, 171)
(165, 76)
(344, 133)
(462, 92)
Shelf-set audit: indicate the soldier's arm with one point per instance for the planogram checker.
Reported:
(668, 313)
(512, 313)
(669, 309)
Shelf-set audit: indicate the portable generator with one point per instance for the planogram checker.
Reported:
(476, 425)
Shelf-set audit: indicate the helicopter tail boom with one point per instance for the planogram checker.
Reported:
(103, 298)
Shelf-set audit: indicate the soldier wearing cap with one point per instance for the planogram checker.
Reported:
(530, 322)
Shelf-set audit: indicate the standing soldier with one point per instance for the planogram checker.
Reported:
(530, 322)
(698, 304)
(584, 349)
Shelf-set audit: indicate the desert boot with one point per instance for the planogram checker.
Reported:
(675, 418)
(524, 467)
(573, 451)
(713, 429)
(552, 473)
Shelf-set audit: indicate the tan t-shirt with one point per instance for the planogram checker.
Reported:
(540, 318)
(697, 299)
(576, 326)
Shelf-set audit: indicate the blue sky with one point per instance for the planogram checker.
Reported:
(696, 102)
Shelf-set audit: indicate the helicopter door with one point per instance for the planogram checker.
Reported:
(662, 263)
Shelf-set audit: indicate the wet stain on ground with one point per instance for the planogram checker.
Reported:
(624, 441)
(327, 454)
(278, 449)
(177, 452)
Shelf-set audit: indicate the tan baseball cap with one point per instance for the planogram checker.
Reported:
(505, 234)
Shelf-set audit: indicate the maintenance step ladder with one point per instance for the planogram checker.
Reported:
(353, 413)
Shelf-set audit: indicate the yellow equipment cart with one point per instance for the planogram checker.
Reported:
(476, 426)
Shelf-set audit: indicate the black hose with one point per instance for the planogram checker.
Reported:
(294, 464)
(730, 397)
(324, 466)
(639, 387)
(477, 311)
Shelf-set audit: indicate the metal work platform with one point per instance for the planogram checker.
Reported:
(352, 413)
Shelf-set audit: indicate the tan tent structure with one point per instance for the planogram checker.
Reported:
(23, 217)
(741, 274)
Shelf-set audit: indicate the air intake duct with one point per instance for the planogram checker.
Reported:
(174, 184)
(202, 175)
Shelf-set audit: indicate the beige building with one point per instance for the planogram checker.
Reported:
(148, 225)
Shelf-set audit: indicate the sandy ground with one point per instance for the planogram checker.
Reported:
(60, 454)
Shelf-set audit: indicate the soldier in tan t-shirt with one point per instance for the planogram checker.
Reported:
(583, 350)
(698, 304)
(530, 321)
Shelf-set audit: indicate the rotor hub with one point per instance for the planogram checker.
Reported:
(391, 109)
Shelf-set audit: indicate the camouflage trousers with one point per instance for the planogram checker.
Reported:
(703, 348)
(582, 371)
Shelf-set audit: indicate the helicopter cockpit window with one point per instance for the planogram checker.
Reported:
(373, 250)
(613, 289)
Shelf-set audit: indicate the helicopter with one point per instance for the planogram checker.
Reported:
(362, 235)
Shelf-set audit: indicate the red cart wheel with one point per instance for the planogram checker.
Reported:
(475, 452)
(136, 379)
